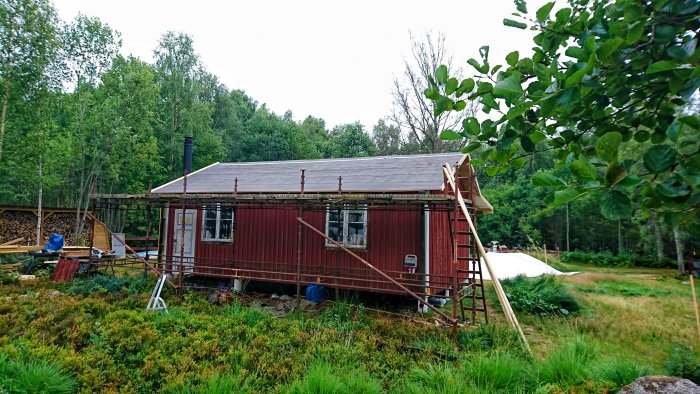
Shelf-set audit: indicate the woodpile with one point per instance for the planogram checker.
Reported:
(22, 224)
(18, 224)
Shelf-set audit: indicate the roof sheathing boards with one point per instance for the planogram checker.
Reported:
(372, 174)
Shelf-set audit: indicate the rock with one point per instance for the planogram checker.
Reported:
(286, 298)
(661, 384)
(54, 293)
(27, 277)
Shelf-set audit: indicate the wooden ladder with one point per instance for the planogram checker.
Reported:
(470, 290)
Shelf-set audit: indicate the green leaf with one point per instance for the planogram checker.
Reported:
(691, 120)
(432, 93)
(471, 147)
(615, 174)
(510, 85)
(610, 46)
(562, 197)
(441, 74)
(512, 23)
(474, 63)
(512, 58)
(488, 101)
(673, 188)
(543, 12)
(491, 171)
(607, 145)
(615, 205)
(635, 32)
(518, 163)
(575, 78)
(661, 66)
(583, 170)
(450, 135)
(471, 126)
(442, 104)
(674, 131)
(451, 86)
(631, 181)
(466, 86)
(459, 105)
(576, 53)
(546, 179)
(659, 158)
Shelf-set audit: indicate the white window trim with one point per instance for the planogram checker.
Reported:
(218, 224)
(345, 212)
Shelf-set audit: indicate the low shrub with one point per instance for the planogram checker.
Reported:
(109, 284)
(683, 362)
(543, 295)
(607, 259)
(34, 377)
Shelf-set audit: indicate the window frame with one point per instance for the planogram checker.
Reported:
(345, 212)
(219, 220)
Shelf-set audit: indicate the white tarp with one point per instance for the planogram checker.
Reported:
(510, 265)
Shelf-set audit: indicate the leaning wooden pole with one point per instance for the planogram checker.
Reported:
(695, 303)
(377, 270)
(507, 309)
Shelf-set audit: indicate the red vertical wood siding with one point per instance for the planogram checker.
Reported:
(265, 239)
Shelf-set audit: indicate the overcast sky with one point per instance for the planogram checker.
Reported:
(333, 60)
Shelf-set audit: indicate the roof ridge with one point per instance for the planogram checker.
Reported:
(342, 159)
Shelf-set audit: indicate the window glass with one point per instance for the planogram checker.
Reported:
(347, 226)
(217, 223)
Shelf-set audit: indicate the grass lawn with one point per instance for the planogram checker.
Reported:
(97, 335)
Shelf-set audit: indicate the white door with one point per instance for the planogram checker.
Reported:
(188, 252)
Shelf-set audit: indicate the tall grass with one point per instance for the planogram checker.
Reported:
(220, 384)
(489, 337)
(34, 377)
(620, 372)
(344, 316)
(499, 373)
(322, 378)
(570, 365)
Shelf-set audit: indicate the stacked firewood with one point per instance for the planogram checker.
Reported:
(22, 224)
(19, 224)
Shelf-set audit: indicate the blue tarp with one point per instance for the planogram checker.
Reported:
(55, 242)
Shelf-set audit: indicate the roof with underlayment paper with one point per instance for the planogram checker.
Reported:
(410, 173)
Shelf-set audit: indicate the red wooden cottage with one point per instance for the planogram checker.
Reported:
(313, 221)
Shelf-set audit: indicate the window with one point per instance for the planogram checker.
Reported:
(347, 226)
(217, 224)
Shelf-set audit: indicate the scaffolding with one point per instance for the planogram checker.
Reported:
(463, 285)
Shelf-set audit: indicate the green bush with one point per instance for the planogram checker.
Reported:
(607, 259)
(34, 377)
(683, 362)
(543, 295)
(109, 284)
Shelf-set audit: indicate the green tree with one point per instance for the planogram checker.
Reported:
(89, 47)
(387, 138)
(350, 140)
(28, 45)
(604, 74)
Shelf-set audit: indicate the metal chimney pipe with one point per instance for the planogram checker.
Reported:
(187, 161)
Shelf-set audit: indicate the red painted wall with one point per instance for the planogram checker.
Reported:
(265, 239)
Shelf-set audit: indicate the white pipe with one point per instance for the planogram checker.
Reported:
(426, 252)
